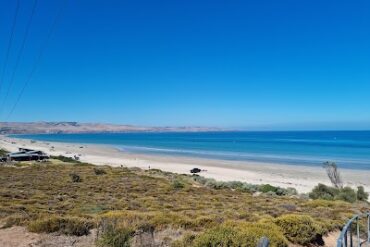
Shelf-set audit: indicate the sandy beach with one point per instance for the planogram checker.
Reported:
(303, 178)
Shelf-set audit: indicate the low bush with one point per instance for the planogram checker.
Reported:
(361, 194)
(212, 183)
(290, 191)
(347, 194)
(300, 229)
(185, 241)
(75, 178)
(66, 225)
(114, 237)
(177, 184)
(124, 220)
(236, 185)
(245, 187)
(217, 236)
(199, 179)
(99, 171)
(160, 220)
(117, 228)
(3, 152)
(65, 159)
(321, 203)
(267, 188)
(240, 234)
(322, 191)
(207, 221)
(149, 220)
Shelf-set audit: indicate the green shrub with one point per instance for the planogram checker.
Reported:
(185, 241)
(120, 237)
(118, 227)
(347, 194)
(177, 184)
(75, 178)
(291, 191)
(66, 225)
(249, 187)
(299, 229)
(267, 188)
(240, 234)
(321, 203)
(361, 194)
(236, 185)
(244, 187)
(212, 183)
(217, 236)
(322, 191)
(65, 159)
(99, 171)
(3, 152)
(207, 221)
(199, 179)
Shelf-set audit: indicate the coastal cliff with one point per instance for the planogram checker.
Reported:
(76, 127)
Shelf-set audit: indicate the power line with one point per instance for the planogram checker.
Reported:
(10, 42)
(38, 60)
(23, 44)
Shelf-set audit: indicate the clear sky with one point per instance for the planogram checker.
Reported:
(251, 64)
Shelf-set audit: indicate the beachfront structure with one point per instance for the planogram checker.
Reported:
(25, 154)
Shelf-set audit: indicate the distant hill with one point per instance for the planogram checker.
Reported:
(75, 127)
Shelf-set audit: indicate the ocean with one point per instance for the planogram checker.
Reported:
(349, 149)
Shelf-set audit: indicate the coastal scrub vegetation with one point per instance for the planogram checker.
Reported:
(337, 191)
(245, 187)
(66, 225)
(65, 159)
(322, 191)
(300, 229)
(130, 206)
(3, 152)
(240, 234)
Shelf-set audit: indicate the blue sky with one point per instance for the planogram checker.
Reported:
(246, 64)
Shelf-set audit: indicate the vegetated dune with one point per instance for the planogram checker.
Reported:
(135, 207)
(75, 127)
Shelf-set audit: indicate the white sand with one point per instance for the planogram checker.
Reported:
(303, 178)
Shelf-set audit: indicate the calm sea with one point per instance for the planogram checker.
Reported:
(350, 149)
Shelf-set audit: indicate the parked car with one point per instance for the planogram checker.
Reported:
(25, 154)
(195, 170)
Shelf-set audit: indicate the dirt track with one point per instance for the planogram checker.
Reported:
(20, 237)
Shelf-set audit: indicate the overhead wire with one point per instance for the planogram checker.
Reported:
(9, 46)
(19, 55)
(39, 57)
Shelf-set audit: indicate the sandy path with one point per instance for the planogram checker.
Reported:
(17, 236)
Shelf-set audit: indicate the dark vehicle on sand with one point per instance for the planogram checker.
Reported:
(195, 170)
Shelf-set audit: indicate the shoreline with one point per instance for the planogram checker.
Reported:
(301, 177)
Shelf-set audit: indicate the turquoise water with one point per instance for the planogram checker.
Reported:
(350, 149)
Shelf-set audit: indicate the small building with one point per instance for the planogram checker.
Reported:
(25, 154)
